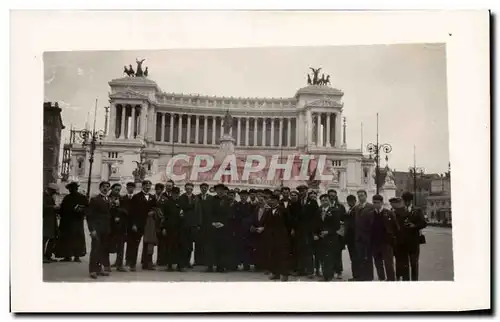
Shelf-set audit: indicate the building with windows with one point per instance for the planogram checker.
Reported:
(439, 201)
(149, 126)
(52, 127)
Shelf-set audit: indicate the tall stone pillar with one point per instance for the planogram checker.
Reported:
(318, 130)
(327, 132)
(162, 137)
(122, 125)
(112, 121)
(272, 133)
(179, 129)
(255, 129)
(289, 134)
(197, 129)
(309, 127)
(264, 132)
(280, 142)
(188, 130)
(214, 127)
(238, 134)
(172, 125)
(205, 129)
(338, 130)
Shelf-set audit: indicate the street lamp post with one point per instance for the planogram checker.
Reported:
(414, 173)
(375, 151)
(91, 139)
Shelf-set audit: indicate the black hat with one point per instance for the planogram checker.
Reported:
(130, 184)
(146, 182)
(159, 186)
(294, 192)
(230, 191)
(312, 192)
(324, 196)
(175, 190)
(115, 185)
(219, 186)
(226, 188)
(267, 191)
(72, 184)
(395, 199)
(274, 197)
(285, 188)
(407, 196)
(243, 192)
(204, 184)
(252, 191)
(377, 198)
(302, 187)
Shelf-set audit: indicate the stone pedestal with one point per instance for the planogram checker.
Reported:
(226, 147)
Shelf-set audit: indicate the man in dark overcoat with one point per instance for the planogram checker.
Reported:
(384, 230)
(363, 235)
(98, 221)
(204, 207)
(411, 221)
(172, 228)
(50, 210)
(118, 226)
(142, 203)
(218, 232)
(329, 242)
(277, 228)
(304, 232)
(126, 207)
(349, 221)
(71, 241)
(245, 245)
(191, 222)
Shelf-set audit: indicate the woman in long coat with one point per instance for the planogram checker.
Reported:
(71, 241)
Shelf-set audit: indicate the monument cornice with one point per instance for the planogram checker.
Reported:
(219, 111)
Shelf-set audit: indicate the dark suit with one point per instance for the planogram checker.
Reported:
(191, 223)
(277, 227)
(98, 220)
(350, 240)
(245, 212)
(363, 226)
(140, 206)
(384, 229)
(161, 247)
(216, 251)
(118, 228)
(126, 206)
(203, 210)
(408, 242)
(304, 236)
(260, 249)
(329, 246)
(173, 225)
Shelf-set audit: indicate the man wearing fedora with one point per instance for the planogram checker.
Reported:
(71, 242)
(50, 210)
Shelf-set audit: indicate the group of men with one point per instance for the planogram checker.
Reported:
(280, 232)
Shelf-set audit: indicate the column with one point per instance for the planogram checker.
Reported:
(238, 134)
(149, 121)
(255, 128)
(281, 132)
(264, 132)
(247, 130)
(309, 127)
(338, 129)
(188, 130)
(214, 125)
(122, 132)
(328, 116)
(289, 134)
(179, 130)
(221, 127)
(112, 121)
(272, 132)
(197, 129)
(318, 129)
(205, 118)
(163, 116)
(172, 120)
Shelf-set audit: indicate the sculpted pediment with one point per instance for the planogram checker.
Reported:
(129, 94)
(324, 102)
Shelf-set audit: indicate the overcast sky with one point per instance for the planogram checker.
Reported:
(405, 84)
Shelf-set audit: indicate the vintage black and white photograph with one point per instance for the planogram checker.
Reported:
(239, 167)
(284, 164)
